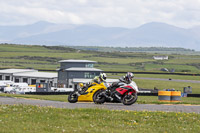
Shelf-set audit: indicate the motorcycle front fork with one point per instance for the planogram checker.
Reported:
(77, 93)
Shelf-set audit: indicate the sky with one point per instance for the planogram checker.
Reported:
(108, 13)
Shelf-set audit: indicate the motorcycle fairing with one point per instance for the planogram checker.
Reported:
(91, 90)
(124, 89)
(130, 89)
(121, 90)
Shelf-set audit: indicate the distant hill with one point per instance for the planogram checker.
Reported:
(148, 35)
(134, 49)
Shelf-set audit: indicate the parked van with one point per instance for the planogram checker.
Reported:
(15, 86)
(23, 90)
(19, 84)
(5, 83)
(62, 89)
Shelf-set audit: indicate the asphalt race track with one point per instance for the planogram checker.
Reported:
(111, 106)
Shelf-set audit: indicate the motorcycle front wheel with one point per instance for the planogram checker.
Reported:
(98, 98)
(129, 99)
(73, 97)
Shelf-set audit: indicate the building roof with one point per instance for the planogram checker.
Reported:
(78, 61)
(17, 70)
(37, 74)
(82, 69)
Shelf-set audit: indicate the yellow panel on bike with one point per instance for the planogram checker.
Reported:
(91, 91)
(85, 98)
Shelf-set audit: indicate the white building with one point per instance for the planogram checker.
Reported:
(7, 74)
(160, 57)
(29, 76)
(37, 77)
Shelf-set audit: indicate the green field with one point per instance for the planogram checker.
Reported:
(47, 57)
(177, 67)
(162, 76)
(36, 119)
(150, 84)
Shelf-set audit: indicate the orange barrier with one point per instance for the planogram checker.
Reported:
(164, 96)
(175, 96)
(169, 96)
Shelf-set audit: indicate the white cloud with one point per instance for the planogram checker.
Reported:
(123, 13)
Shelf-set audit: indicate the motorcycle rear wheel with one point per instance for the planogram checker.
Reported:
(73, 97)
(129, 99)
(98, 98)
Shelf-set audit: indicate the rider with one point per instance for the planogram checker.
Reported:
(97, 79)
(127, 79)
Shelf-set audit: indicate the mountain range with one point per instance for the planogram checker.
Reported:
(154, 34)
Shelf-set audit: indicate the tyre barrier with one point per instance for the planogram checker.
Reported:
(169, 96)
(164, 96)
(175, 96)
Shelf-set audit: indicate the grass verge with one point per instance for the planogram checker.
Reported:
(33, 119)
(62, 98)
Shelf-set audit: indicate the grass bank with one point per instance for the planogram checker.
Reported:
(33, 119)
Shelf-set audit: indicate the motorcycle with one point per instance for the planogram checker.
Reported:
(121, 92)
(86, 94)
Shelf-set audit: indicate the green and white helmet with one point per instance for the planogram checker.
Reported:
(103, 76)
